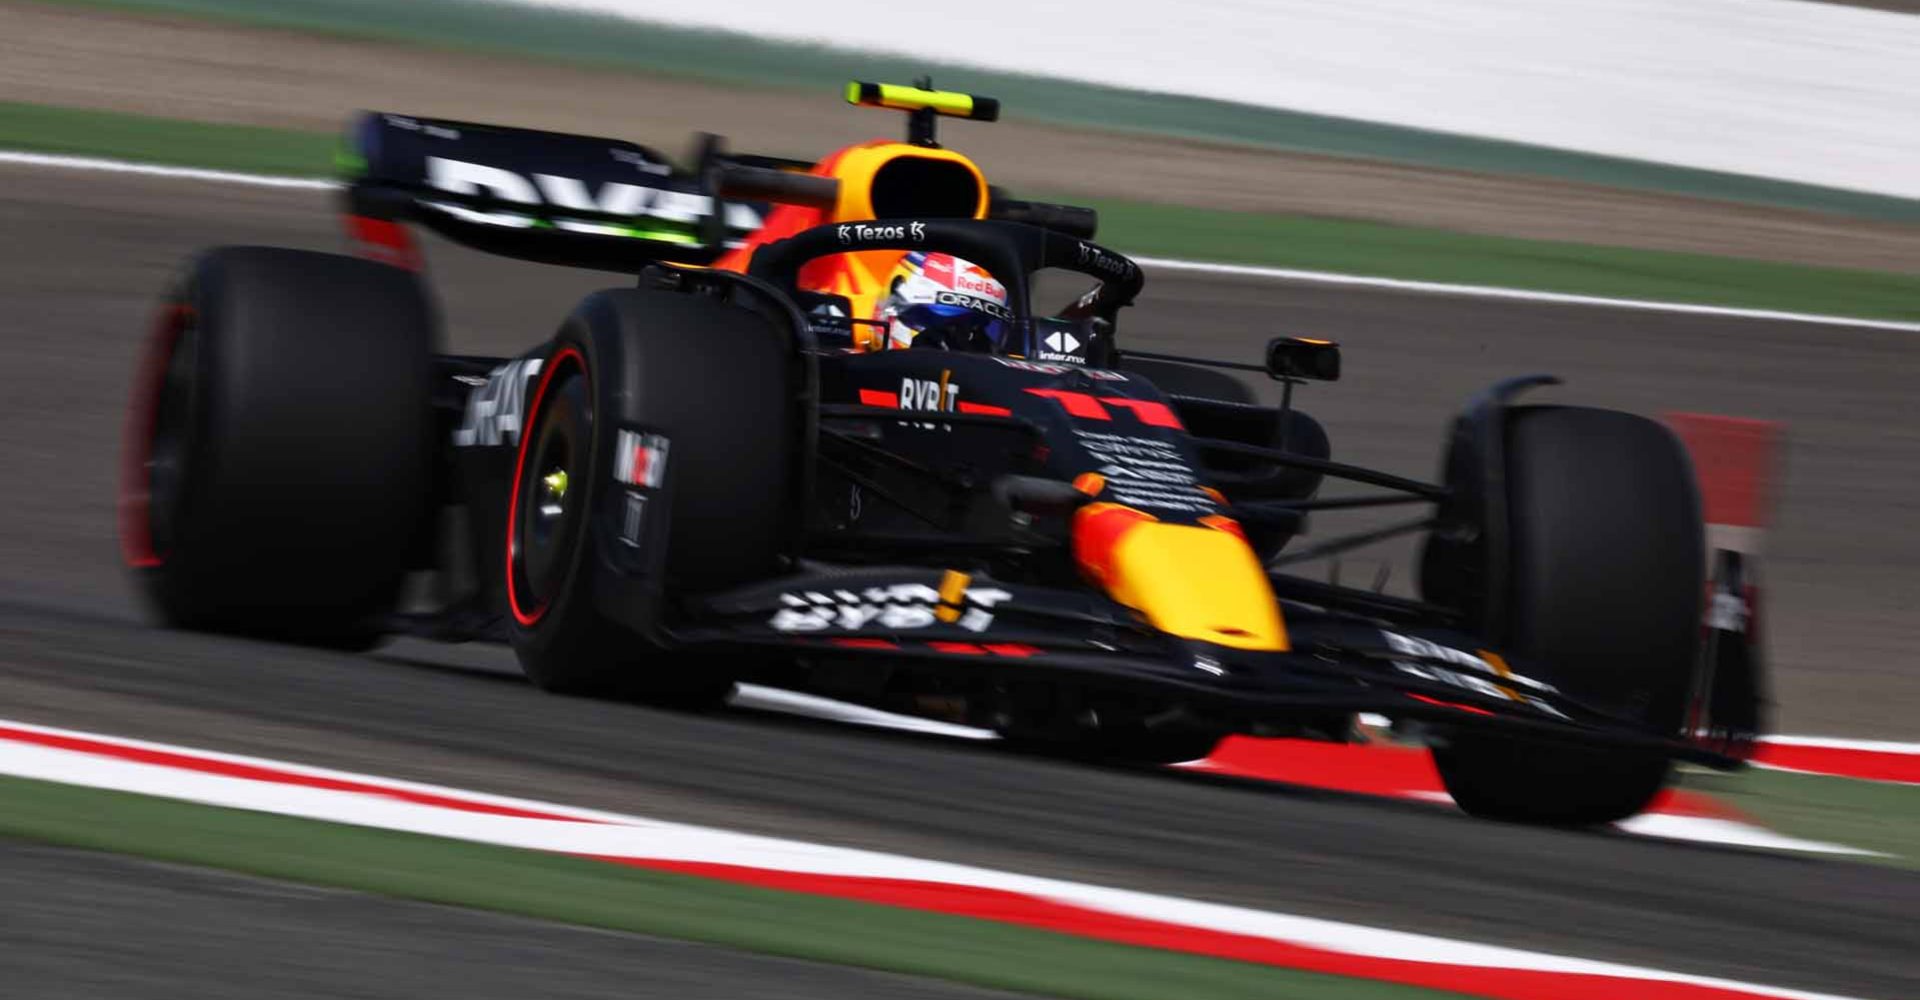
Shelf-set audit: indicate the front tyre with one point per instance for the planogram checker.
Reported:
(1550, 785)
(1607, 579)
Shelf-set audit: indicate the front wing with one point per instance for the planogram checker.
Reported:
(1336, 662)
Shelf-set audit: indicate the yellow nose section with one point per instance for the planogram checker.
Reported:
(1194, 581)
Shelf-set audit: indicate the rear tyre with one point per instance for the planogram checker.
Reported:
(277, 468)
(714, 381)
(1176, 379)
(1607, 583)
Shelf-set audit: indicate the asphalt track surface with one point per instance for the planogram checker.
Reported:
(253, 938)
(85, 254)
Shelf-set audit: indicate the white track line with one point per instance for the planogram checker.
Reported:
(1492, 292)
(155, 170)
(1838, 743)
(1730, 833)
(636, 837)
(60, 162)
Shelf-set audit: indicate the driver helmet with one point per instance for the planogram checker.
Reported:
(939, 300)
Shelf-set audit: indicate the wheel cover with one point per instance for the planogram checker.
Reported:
(546, 516)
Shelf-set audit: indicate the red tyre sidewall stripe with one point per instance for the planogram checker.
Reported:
(143, 414)
(526, 618)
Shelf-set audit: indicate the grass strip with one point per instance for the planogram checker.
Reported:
(604, 40)
(40, 128)
(1872, 815)
(1369, 248)
(1342, 246)
(576, 891)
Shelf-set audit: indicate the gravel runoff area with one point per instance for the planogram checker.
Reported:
(204, 70)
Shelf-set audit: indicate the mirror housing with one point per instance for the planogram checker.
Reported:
(1303, 358)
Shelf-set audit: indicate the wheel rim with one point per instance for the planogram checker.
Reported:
(550, 512)
(547, 516)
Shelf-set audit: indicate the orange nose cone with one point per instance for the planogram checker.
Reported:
(1195, 581)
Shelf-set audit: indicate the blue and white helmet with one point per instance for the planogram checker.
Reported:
(939, 300)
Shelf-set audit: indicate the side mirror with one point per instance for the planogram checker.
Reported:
(823, 304)
(1303, 358)
(831, 319)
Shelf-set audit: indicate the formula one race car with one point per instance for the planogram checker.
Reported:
(725, 470)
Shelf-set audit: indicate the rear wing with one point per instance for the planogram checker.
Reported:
(557, 198)
(612, 205)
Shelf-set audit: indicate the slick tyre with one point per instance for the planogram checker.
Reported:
(277, 468)
(1607, 583)
(1176, 379)
(715, 384)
